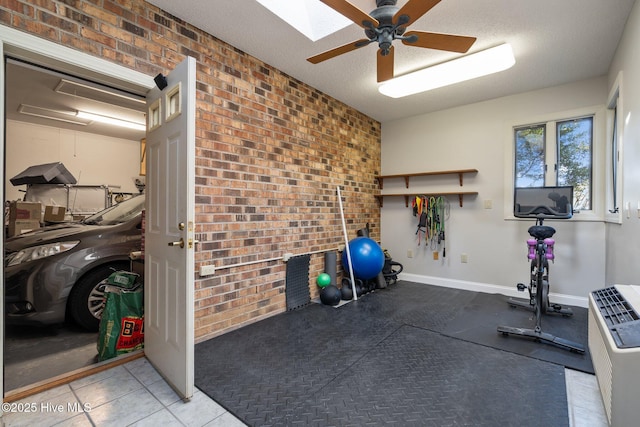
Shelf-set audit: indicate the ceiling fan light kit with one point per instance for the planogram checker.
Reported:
(388, 23)
(468, 67)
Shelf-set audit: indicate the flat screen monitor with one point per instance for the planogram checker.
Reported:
(543, 202)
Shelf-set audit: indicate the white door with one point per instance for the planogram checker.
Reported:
(2, 115)
(169, 243)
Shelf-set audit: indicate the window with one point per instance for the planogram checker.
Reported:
(575, 154)
(613, 155)
(613, 212)
(561, 157)
(530, 158)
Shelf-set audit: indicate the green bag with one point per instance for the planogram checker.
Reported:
(122, 323)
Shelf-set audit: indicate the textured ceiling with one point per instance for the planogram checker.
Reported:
(554, 42)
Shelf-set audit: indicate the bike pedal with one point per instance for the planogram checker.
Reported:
(521, 287)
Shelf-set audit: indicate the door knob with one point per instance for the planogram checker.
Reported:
(178, 243)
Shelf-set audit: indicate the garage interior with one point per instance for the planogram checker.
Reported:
(273, 144)
(42, 128)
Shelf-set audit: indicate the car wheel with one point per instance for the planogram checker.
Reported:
(86, 301)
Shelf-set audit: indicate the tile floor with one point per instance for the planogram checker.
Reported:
(583, 397)
(134, 394)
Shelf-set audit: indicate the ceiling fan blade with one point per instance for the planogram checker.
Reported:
(352, 12)
(385, 65)
(449, 42)
(332, 53)
(414, 9)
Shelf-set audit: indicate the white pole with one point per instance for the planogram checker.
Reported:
(346, 248)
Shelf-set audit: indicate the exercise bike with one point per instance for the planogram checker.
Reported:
(540, 249)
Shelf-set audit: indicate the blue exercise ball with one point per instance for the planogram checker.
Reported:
(367, 258)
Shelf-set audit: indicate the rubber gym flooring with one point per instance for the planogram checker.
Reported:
(411, 354)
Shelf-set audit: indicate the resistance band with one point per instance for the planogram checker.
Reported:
(432, 212)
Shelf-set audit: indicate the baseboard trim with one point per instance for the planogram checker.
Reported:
(488, 288)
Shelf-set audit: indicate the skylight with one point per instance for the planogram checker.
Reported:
(312, 18)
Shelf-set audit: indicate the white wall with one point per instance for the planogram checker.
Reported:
(623, 240)
(479, 136)
(91, 159)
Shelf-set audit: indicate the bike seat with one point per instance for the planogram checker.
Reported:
(541, 232)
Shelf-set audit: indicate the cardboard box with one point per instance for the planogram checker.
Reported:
(20, 226)
(25, 211)
(54, 213)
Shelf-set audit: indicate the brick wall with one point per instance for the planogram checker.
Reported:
(270, 151)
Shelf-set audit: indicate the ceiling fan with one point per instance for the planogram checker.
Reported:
(387, 23)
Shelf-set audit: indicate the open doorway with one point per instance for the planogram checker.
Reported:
(170, 180)
(43, 126)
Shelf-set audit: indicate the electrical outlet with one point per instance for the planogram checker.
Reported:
(409, 253)
(208, 270)
(488, 204)
(464, 258)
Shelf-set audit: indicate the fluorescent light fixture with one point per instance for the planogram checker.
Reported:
(468, 67)
(312, 18)
(110, 120)
(48, 113)
(99, 94)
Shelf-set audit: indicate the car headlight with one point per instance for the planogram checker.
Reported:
(37, 252)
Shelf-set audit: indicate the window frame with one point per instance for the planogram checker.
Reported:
(614, 123)
(596, 213)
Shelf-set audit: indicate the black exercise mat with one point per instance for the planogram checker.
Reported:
(425, 306)
(363, 364)
(475, 317)
(261, 368)
(417, 377)
(478, 321)
(297, 282)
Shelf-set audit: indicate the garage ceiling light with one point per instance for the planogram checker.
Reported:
(110, 120)
(51, 114)
(97, 93)
(468, 67)
(82, 118)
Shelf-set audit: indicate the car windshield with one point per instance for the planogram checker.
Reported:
(116, 214)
